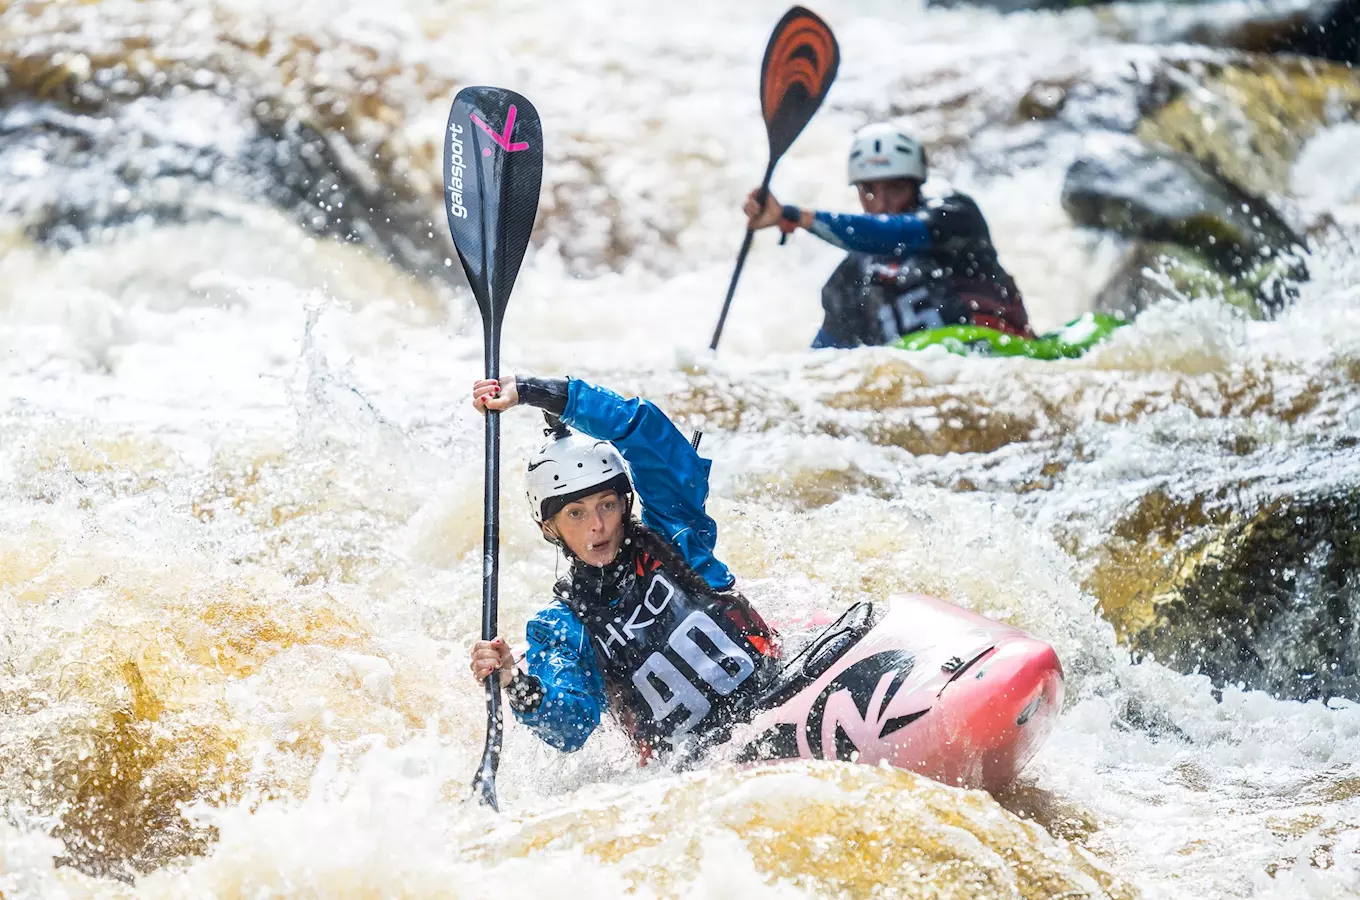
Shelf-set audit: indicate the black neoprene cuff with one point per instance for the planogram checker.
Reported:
(525, 692)
(791, 214)
(546, 393)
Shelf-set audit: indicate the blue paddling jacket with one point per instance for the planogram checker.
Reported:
(579, 677)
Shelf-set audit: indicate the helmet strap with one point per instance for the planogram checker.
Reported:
(554, 426)
(552, 537)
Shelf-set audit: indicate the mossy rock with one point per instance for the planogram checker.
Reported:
(1014, 6)
(1197, 234)
(1248, 119)
(1153, 272)
(1268, 599)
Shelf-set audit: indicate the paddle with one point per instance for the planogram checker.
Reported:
(800, 64)
(493, 167)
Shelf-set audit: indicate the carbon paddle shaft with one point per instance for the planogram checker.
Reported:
(741, 261)
(732, 285)
(485, 781)
(731, 288)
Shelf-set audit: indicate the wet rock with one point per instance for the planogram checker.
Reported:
(100, 132)
(1327, 30)
(1247, 119)
(1198, 191)
(1331, 31)
(1268, 599)
(103, 173)
(1152, 272)
(1166, 197)
(1007, 7)
(1045, 100)
(1200, 235)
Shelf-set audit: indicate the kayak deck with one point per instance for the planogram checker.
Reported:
(1068, 342)
(924, 686)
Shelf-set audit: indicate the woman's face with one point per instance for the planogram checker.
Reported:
(592, 527)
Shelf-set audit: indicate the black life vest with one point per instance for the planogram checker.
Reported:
(681, 667)
(957, 280)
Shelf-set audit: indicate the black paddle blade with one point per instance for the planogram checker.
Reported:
(493, 168)
(800, 64)
(484, 783)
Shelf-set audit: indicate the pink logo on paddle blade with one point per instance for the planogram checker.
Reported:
(503, 139)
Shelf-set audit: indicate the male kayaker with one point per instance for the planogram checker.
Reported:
(646, 623)
(912, 264)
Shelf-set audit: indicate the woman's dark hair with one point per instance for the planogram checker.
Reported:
(660, 549)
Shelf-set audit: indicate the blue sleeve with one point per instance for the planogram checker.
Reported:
(670, 477)
(875, 235)
(561, 657)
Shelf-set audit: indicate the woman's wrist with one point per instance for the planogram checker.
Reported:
(545, 393)
(792, 217)
(524, 691)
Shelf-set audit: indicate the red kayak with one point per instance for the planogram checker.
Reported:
(925, 686)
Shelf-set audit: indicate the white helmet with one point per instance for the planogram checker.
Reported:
(883, 151)
(571, 467)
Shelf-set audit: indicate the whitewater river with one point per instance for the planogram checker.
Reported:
(240, 481)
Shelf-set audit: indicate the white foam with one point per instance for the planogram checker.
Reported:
(246, 463)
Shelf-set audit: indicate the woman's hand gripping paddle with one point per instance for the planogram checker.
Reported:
(800, 64)
(493, 167)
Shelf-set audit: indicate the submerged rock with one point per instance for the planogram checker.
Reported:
(832, 830)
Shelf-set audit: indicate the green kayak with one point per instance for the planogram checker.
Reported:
(1068, 342)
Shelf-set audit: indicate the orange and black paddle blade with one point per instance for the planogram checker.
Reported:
(800, 63)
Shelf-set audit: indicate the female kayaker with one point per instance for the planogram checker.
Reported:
(646, 623)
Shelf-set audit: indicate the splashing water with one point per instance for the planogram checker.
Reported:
(240, 483)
